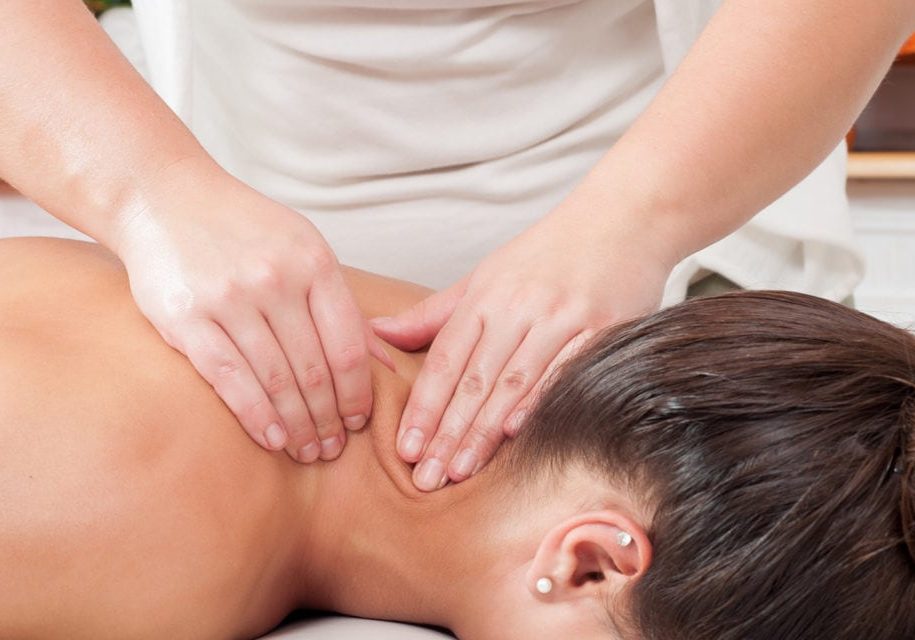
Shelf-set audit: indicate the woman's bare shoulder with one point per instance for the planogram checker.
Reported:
(30, 265)
(379, 295)
(117, 460)
(24, 252)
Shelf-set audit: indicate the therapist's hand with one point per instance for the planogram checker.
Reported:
(252, 294)
(498, 334)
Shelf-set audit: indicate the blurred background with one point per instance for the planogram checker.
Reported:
(881, 189)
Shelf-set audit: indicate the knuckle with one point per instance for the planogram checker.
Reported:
(278, 381)
(226, 367)
(580, 315)
(515, 380)
(265, 275)
(350, 358)
(443, 445)
(422, 414)
(219, 296)
(521, 297)
(229, 291)
(328, 425)
(491, 419)
(178, 309)
(550, 305)
(319, 259)
(483, 438)
(459, 418)
(438, 362)
(324, 414)
(480, 438)
(315, 376)
(249, 416)
(473, 384)
(299, 427)
(553, 306)
(592, 308)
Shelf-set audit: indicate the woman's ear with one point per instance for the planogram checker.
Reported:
(590, 553)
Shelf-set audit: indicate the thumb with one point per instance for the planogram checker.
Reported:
(416, 327)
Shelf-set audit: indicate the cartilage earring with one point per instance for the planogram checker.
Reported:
(544, 585)
(624, 539)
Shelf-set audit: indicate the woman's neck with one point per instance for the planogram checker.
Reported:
(374, 546)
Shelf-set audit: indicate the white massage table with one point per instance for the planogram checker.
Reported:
(342, 628)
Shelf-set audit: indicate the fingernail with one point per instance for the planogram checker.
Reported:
(275, 436)
(354, 423)
(430, 474)
(465, 463)
(310, 452)
(331, 447)
(411, 445)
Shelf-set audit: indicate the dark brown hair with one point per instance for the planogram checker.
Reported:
(774, 433)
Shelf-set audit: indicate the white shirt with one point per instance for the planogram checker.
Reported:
(419, 135)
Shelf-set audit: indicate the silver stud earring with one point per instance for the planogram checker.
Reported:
(624, 539)
(544, 585)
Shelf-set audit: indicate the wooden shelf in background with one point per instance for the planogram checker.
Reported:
(881, 165)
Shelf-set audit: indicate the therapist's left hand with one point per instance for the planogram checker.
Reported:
(499, 333)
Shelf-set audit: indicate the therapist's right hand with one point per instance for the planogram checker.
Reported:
(250, 291)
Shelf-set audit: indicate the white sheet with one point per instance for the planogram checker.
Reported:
(341, 628)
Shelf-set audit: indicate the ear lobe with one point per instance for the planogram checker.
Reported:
(590, 553)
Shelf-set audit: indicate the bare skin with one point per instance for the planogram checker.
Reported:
(135, 478)
(136, 506)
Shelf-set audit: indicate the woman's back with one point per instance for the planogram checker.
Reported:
(123, 473)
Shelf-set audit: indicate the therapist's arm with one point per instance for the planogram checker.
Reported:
(762, 98)
(766, 93)
(245, 287)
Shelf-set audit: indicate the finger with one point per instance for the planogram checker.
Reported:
(317, 386)
(435, 384)
(476, 450)
(525, 367)
(259, 345)
(297, 337)
(416, 327)
(341, 328)
(496, 346)
(221, 364)
(516, 419)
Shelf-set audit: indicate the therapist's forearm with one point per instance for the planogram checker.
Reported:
(763, 97)
(81, 132)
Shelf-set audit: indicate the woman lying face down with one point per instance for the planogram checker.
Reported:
(731, 468)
